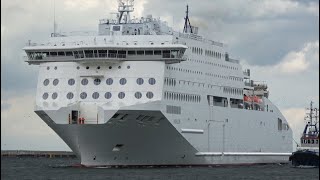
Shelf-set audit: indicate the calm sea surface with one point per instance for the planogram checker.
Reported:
(59, 168)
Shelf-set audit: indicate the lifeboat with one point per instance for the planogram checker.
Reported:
(256, 99)
(247, 99)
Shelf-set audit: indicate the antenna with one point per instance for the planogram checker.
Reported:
(187, 22)
(54, 19)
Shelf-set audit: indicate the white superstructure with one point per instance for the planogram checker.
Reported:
(139, 93)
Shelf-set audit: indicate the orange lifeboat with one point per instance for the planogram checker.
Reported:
(247, 99)
(256, 99)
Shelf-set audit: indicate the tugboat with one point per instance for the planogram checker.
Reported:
(307, 155)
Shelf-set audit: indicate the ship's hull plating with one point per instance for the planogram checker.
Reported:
(133, 142)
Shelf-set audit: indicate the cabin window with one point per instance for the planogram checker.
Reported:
(84, 82)
(83, 95)
(121, 95)
(45, 96)
(95, 95)
(54, 95)
(152, 81)
(279, 124)
(109, 81)
(71, 82)
(138, 95)
(149, 95)
(140, 81)
(55, 82)
(97, 81)
(123, 81)
(69, 53)
(108, 95)
(70, 95)
(46, 82)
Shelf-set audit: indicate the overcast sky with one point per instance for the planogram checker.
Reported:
(277, 39)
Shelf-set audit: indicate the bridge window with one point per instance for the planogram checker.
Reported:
(157, 52)
(131, 52)
(149, 52)
(69, 53)
(140, 52)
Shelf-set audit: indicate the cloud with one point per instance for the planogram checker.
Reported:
(299, 61)
(21, 128)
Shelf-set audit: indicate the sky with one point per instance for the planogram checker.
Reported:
(278, 40)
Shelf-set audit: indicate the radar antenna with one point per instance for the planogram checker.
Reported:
(125, 8)
(187, 26)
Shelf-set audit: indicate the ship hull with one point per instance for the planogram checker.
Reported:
(305, 158)
(131, 142)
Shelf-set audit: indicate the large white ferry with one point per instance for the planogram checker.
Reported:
(140, 93)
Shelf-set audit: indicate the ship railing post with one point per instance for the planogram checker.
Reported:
(69, 119)
(97, 118)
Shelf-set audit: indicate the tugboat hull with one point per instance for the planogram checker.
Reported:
(305, 158)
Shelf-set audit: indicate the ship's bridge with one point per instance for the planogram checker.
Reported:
(111, 49)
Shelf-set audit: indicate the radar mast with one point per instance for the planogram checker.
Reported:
(124, 9)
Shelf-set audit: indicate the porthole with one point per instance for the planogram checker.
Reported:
(45, 96)
(54, 95)
(78, 67)
(55, 68)
(149, 95)
(71, 82)
(98, 67)
(84, 82)
(119, 67)
(128, 67)
(95, 95)
(140, 81)
(152, 81)
(83, 95)
(109, 81)
(123, 81)
(110, 67)
(55, 82)
(48, 68)
(70, 95)
(46, 82)
(87, 67)
(138, 95)
(97, 81)
(121, 95)
(108, 95)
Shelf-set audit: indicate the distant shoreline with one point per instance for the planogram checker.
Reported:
(34, 153)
